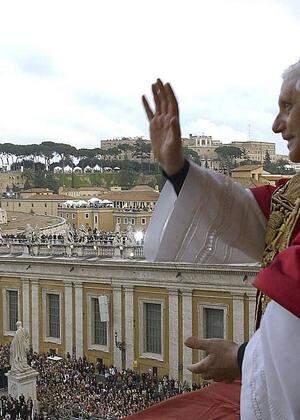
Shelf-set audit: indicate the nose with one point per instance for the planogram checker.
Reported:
(279, 124)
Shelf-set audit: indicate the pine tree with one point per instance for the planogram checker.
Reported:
(267, 162)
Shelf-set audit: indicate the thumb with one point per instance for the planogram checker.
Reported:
(197, 343)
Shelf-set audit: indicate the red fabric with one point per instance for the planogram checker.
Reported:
(215, 402)
(263, 196)
(281, 279)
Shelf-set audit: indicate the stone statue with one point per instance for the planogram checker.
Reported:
(69, 234)
(28, 231)
(130, 236)
(118, 228)
(18, 350)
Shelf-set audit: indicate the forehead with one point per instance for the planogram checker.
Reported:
(288, 90)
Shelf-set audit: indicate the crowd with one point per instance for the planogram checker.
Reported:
(16, 408)
(90, 237)
(75, 387)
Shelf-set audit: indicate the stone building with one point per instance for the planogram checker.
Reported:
(38, 204)
(89, 217)
(11, 179)
(125, 312)
(256, 150)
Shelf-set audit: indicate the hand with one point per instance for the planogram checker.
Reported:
(220, 364)
(165, 132)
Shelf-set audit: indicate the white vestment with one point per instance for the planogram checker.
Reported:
(217, 221)
(270, 380)
(213, 221)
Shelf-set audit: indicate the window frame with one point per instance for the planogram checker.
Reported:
(144, 354)
(6, 329)
(48, 338)
(91, 345)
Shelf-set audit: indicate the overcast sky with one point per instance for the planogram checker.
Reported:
(74, 71)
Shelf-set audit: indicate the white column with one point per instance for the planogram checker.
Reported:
(186, 332)
(68, 317)
(252, 306)
(35, 327)
(25, 303)
(129, 333)
(173, 333)
(238, 318)
(79, 319)
(117, 302)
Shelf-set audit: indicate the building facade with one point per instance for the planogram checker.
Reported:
(256, 150)
(126, 313)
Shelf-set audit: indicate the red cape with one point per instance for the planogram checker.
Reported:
(281, 279)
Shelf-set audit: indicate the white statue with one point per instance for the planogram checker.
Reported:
(130, 236)
(118, 228)
(18, 350)
(28, 231)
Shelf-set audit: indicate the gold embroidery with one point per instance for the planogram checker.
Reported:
(285, 213)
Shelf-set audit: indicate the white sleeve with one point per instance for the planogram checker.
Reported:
(213, 221)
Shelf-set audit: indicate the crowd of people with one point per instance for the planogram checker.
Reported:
(16, 408)
(73, 387)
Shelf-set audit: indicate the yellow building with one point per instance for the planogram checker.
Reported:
(89, 217)
(37, 204)
(33, 192)
(99, 307)
(137, 197)
(139, 220)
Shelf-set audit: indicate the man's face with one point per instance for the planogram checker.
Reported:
(287, 121)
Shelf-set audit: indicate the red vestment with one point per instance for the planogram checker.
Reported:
(281, 282)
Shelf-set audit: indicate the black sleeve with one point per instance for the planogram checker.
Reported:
(178, 179)
(240, 354)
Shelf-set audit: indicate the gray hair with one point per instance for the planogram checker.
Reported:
(293, 72)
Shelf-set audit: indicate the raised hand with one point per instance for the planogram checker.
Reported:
(220, 364)
(165, 132)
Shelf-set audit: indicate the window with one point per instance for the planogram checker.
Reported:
(133, 221)
(143, 221)
(213, 323)
(152, 328)
(19, 204)
(87, 215)
(53, 315)
(73, 215)
(32, 204)
(125, 221)
(95, 218)
(45, 204)
(118, 220)
(99, 328)
(12, 309)
(67, 215)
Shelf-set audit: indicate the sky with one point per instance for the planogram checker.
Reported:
(74, 71)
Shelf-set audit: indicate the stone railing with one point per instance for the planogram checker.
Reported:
(72, 250)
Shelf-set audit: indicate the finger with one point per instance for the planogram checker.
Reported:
(175, 127)
(156, 99)
(162, 96)
(172, 101)
(147, 107)
(195, 343)
(204, 366)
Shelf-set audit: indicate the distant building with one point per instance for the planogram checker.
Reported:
(33, 192)
(130, 141)
(11, 179)
(38, 204)
(89, 218)
(256, 150)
